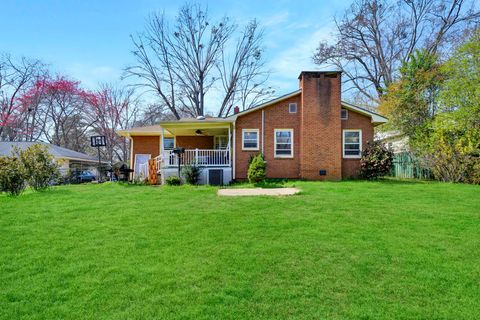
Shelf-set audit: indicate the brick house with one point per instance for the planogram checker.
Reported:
(307, 134)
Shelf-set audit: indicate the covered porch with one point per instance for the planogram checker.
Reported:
(206, 143)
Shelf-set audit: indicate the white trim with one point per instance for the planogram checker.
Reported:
(346, 112)
(263, 127)
(376, 118)
(290, 105)
(174, 142)
(230, 145)
(359, 141)
(233, 150)
(266, 104)
(275, 143)
(218, 136)
(258, 138)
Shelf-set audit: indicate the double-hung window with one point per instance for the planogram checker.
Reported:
(352, 143)
(220, 142)
(168, 143)
(283, 143)
(250, 139)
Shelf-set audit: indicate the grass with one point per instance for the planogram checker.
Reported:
(345, 250)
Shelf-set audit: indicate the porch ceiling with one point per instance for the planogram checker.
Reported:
(179, 131)
(189, 129)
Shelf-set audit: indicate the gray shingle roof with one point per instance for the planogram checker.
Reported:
(57, 152)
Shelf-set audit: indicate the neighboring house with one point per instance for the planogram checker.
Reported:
(67, 159)
(307, 134)
(393, 140)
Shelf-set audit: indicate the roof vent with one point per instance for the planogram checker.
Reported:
(200, 118)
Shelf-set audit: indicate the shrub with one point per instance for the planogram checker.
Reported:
(39, 167)
(173, 181)
(12, 176)
(257, 169)
(376, 161)
(191, 173)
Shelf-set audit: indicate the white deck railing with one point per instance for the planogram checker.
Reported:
(199, 157)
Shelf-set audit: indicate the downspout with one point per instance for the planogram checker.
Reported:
(233, 157)
(263, 120)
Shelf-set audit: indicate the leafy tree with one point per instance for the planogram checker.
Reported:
(12, 176)
(453, 149)
(438, 108)
(39, 167)
(376, 161)
(257, 169)
(411, 103)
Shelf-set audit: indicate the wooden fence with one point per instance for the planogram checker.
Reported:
(406, 166)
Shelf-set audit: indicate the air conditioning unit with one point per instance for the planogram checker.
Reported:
(215, 177)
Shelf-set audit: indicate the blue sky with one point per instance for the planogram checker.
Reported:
(89, 40)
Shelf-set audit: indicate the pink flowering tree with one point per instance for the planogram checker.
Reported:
(17, 78)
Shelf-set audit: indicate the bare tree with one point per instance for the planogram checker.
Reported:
(17, 77)
(243, 77)
(374, 38)
(180, 63)
(113, 108)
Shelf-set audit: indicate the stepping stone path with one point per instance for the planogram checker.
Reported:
(258, 192)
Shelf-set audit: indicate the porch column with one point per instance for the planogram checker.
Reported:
(161, 142)
(229, 147)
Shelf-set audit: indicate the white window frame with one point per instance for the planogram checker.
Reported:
(346, 112)
(290, 105)
(275, 144)
(217, 138)
(174, 143)
(243, 139)
(359, 142)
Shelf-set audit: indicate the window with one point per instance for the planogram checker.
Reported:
(292, 108)
(250, 139)
(344, 114)
(168, 143)
(283, 143)
(220, 142)
(352, 143)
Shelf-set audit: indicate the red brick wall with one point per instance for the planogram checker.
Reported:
(350, 167)
(320, 146)
(145, 145)
(276, 116)
(193, 142)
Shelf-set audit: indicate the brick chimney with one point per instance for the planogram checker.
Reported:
(236, 110)
(320, 127)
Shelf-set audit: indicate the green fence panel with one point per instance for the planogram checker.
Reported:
(406, 166)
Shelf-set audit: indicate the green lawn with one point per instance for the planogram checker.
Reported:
(344, 250)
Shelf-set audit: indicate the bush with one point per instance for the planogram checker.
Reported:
(173, 181)
(257, 169)
(376, 161)
(39, 167)
(12, 176)
(191, 173)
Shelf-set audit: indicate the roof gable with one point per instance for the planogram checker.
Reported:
(265, 104)
(376, 118)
